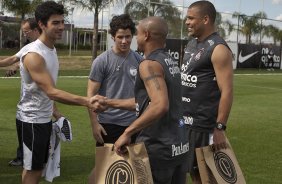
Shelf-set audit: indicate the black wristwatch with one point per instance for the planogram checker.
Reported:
(220, 126)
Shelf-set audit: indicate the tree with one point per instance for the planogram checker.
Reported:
(251, 25)
(279, 37)
(163, 8)
(223, 25)
(94, 6)
(272, 31)
(20, 8)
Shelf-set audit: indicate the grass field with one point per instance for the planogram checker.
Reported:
(254, 129)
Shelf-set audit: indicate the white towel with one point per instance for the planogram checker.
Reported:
(52, 167)
(61, 130)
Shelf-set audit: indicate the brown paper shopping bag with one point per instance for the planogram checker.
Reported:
(134, 168)
(219, 167)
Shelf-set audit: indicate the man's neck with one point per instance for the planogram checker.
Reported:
(206, 34)
(149, 48)
(119, 52)
(48, 42)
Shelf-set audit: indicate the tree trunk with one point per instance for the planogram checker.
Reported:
(249, 38)
(95, 35)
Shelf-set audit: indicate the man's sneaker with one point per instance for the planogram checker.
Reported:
(64, 129)
(16, 162)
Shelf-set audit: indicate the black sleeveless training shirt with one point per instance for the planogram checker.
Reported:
(165, 139)
(201, 94)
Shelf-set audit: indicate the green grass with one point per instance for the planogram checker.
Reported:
(77, 156)
(254, 130)
(255, 126)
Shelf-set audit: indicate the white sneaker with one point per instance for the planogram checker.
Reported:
(64, 129)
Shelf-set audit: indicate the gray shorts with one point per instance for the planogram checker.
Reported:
(196, 139)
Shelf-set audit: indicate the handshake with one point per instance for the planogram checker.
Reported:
(98, 103)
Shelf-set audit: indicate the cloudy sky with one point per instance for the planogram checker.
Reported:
(273, 9)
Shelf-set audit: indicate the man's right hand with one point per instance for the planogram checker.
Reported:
(98, 131)
(98, 103)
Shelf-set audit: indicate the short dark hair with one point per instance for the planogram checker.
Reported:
(122, 21)
(46, 9)
(206, 8)
(33, 24)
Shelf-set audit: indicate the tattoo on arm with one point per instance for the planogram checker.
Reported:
(153, 77)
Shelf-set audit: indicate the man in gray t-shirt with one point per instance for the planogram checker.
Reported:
(113, 75)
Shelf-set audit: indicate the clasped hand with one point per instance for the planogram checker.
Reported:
(98, 103)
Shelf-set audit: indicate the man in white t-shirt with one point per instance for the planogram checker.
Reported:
(39, 68)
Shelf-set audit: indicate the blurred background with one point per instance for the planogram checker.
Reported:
(248, 26)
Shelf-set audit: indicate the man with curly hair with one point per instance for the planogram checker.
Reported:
(113, 75)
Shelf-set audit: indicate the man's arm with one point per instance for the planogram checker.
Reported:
(222, 63)
(9, 61)
(56, 113)
(126, 104)
(97, 129)
(152, 74)
(41, 76)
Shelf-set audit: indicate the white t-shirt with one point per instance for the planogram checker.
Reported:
(34, 105)
(23, 50)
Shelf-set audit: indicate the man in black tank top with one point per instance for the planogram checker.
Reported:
(158, 106)
(207, 83)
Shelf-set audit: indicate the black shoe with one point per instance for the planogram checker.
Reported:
(16, 162)
(66, 129)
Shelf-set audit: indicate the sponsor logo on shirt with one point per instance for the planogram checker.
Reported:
(179, 149)
(172, 66)
(181, 123)
(133, 71)
(211, 42)
(185, 99)
(199, 54)
(184, 67)
(188, 120)
(189, 80)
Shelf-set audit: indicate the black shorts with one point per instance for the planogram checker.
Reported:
(170, 175)
(196, 139)
(36, 141)
(113, 133)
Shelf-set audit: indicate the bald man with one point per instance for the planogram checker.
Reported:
(158, 106)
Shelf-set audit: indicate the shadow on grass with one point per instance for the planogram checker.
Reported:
(74, 170)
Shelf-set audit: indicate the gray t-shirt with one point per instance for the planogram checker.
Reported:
(117, 77)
